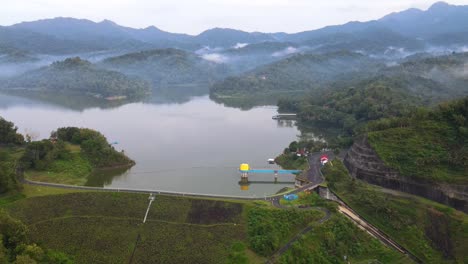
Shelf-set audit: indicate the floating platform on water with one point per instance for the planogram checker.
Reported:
(284, 116)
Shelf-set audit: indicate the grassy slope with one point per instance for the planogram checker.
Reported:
(428, 229)
(103, 227)
(74, 170)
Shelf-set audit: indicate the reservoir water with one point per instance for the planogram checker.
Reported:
(195, 146)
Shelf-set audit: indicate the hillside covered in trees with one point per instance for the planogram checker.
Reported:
(392, 92)
(296, 75)
(427, 144)
(164, 67)
(77, 76)
(71, 156)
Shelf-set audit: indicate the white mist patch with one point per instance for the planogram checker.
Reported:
(461, 72)
(396, 52)
(207, 50)
(240, 45)
(215, 57)
(287, 51)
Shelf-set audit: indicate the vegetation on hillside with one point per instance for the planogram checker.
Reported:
(16, 245)
(94, 146)
(394, 91)
(164, 67)
(290, 160)
(428, 144)
(75, 75)
(8, 133)
(296, 75)
(433, 232)
(268, 229)
(107, 227)
(10, 141)
(70, 156)
(338, 240)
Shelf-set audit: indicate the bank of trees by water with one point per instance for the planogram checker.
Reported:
(69, 156)
(94, 146)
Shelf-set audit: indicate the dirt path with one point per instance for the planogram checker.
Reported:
(374, 232)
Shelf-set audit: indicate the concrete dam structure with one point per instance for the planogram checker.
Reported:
(363, 163)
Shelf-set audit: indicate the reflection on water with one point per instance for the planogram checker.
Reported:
(76, 102)
(286, 123)
(192, 146)
(101, 178)
(175, 94)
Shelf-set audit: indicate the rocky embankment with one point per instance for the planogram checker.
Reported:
(364, 163)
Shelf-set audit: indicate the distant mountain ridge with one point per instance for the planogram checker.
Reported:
(441, 24)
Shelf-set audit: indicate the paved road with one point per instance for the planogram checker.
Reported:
(313, 174)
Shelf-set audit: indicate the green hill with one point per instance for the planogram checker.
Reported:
(165, 67)
(429, 144)
(71, 156)
(296, 75)
(77, 76)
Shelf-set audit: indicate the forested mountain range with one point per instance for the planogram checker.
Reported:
(441, 25)
(408, 51)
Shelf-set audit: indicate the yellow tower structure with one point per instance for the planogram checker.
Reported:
(244, 167)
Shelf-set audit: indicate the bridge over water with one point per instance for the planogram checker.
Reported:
(271, 171)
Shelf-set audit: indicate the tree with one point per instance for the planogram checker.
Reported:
(293, 146)
(8, 133)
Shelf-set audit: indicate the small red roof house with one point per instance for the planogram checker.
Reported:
(323, 159)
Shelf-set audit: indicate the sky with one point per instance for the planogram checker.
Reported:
(195, 16)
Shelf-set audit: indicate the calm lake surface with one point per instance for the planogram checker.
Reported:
(195, 146)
